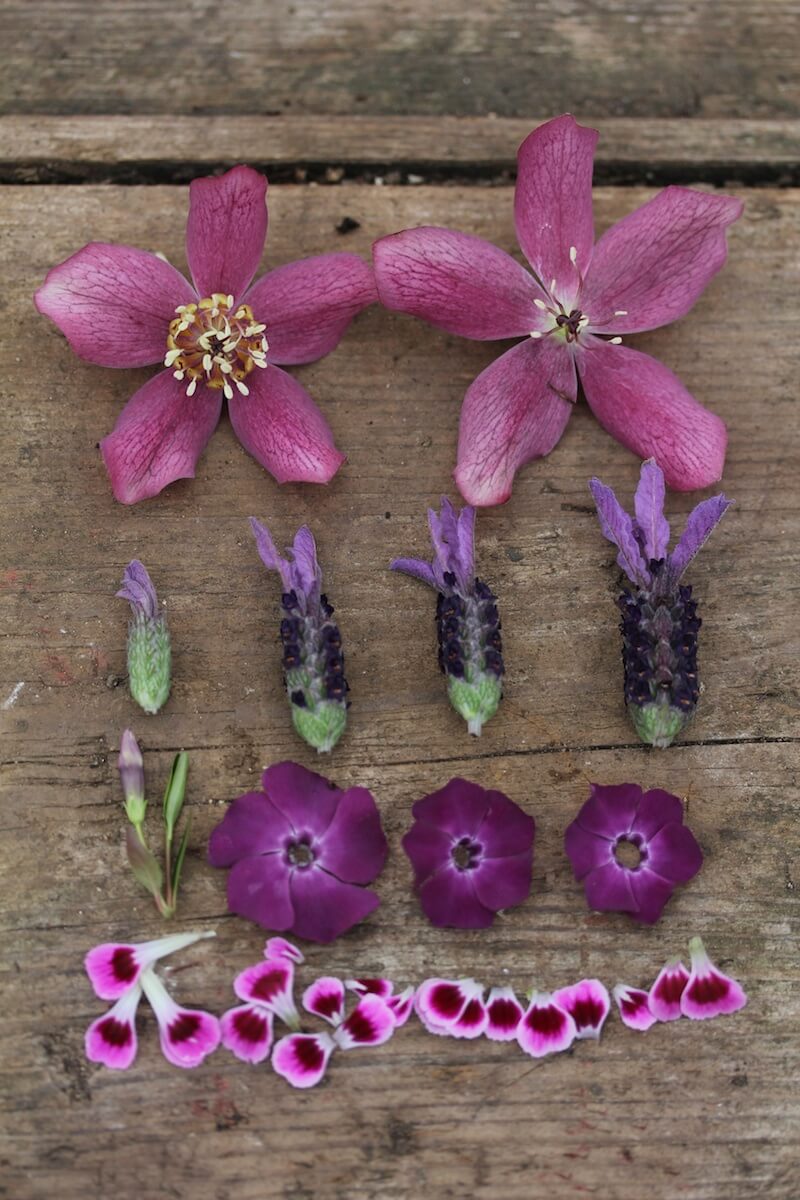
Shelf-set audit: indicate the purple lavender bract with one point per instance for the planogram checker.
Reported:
(659, 615)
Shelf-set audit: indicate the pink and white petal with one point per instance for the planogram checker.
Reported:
(159, 436)
(664, 999)
(588, 1003)
(269, 985)
(324, 907)
(111, 1039)
(114, 303)
(634, 1009)
(226, 230)
(371, 1023)
(402, 1005)
(652, 266)
(673, 853)
(608, 889)
(545, 1028)
(281, 426)
(307, 305)
(278, 947)
(440, 1002)
(114, 967)
(553, 202)
(302, 1058)
(457, 282)
(472, 1021)
(501, 883)
(448, 898)
(374, 987)
(646, 408)
(325, 998)
(188, 1035)
(515, 411)
(503, 1015)
(247, 1032)
(258, 889)
(709, 992)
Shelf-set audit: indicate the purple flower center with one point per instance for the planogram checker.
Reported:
(630, 852)
(571, 323)
(300, 853)
(466, 854)
(212, 342)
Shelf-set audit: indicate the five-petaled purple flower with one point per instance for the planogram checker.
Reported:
(300, 852)
(472, 854)
(571, 308)
(659, 616)
(218, 336)
(618, 821)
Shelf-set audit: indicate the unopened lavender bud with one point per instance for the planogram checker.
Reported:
(144, 864)
(313, 659)
(131, 773)
(149, 651)
(467, 620)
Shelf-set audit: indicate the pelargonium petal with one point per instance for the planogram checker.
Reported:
(371, 986)
(114, 303)
(269, 985)
(252, 825)
(634, 1009)
(472, 1021)
(324, 907)
(354, 846)
(278, 947)
(401, 1005)
(111, 1039)
(307, 305)
(281, 426)
(674, 853)
(225, 231)
(371, 1023)
(700, 523)
(588, 1004)
(114, 967)
(448, 898)
(258, 889)
(325, 998)
(456, 281)
(307, 800)
(646, 407)
(302, 1058)
(648, 504)
(188, 1035)
(664, 999)
(247, 1032)
(458, 808)
(651, 267)
(545, 1028)
(709, 992)
(553, 202)
(503, 1015)
(618, 527)
(502, 883)
(516, 410)
(439, 1003)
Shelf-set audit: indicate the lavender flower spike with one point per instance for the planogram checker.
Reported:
(313, 661)
(659, 616)
(467, 621)
(149, 651)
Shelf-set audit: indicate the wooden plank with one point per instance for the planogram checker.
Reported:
(510, 57)
(704, 1111)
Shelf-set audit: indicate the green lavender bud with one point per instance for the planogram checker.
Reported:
(149, 651)
(131, 773)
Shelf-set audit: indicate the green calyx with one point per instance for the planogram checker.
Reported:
(475, 699)
(658, 724)
(321, 725)
(149, 662)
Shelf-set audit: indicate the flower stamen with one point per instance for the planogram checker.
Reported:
(208, 343)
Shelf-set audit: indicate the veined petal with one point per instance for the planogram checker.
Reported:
(656, 809)
(618, 527)
(307, 800)
(586, 850)
(505, 829)
(634, 1009)
(371, 1023)
(226, 230)
(302, 1058)
(648, 504)
(114, 303)
(307, 305)
(458, 282)
(651, 267)
(553, 202)
(587, 1003)
(516, 410)
(324, 907)
(281, 426)
(188, 1035)
(269, 985)
(503, 1015)
(325, 998)
(650, 892)
(252, 825)
(159, 436)
(114, 967)
(247, 1032)
(545, 1027)
(646, 408)
(700, 524)
(664, 999)
(611, 809)
(278, 947)
(708, 992)
(111, 1039)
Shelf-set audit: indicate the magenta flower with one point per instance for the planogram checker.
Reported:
(634, 1008)
(217, 337)
(621, 821)
(301, 852)
(708, 992)
(400, 1003)
(451, 1007)
(267, 991)
(472, 854)
(571, 308)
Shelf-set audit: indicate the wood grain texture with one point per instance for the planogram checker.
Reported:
(702, 1111)
(510, 57)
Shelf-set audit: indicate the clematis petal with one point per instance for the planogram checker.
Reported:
(226, 230)
(657, 261)
(188, 1035)
(456, 281)
(268, 985)
(501, 883)
(354, 846)
(646, 408)
(324, 907)
(440, 1003)
(281, 426)
(114, 303)
(252, 825)
(302, 1058)
(458, 808)
(608, 889)
(586, 850)
(114, 967)
(373, 987)
(307, 305)
(448, 899)
(278, 947)
(700, 523)
(619, 528)
(325, 998)
(505, 829)
(648, 504)
(657, 808)
(611, 809)
(371, 1023)
(587, 1003)
(307, 800)
(708, 992)
(664, 999)
(111, 1039)
(634, 1009)
(553, 202)
(651, 892)
(515, 411)
(401, 1005)
(545, 1027)
(674, 853)
(159, 436)
(258, 889)
(503, 1015)
(247, 1032)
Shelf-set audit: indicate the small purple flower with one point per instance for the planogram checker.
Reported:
(472, 854)
(467, 621)
(659, 617)
(619, 821)
(301, 852)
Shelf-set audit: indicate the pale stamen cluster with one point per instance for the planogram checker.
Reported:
(210, 343)
(569, 320)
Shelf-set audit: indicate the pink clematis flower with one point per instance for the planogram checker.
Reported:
(217, 337)
(571, 307)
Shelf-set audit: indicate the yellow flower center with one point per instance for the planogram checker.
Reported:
(212, 343)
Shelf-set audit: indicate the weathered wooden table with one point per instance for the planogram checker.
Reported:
(703, 1111)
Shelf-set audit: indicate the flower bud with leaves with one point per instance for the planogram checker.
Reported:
(149, 650)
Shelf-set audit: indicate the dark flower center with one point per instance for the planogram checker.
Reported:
(628, 854)
(570, 323)
(466, 854)
(300, 853)
(216, 343)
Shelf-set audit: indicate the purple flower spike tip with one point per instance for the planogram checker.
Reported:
(621, 822)
(472, 854)
(300, 853)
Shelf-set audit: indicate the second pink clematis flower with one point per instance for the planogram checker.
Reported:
(218, 337)
(571, 308)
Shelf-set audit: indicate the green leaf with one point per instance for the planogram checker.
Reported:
(144, 864)
(176, 790)
(176, 872)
